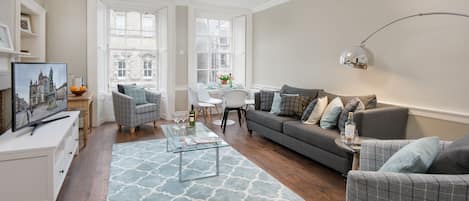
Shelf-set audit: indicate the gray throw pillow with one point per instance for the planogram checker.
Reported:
(308, 110)
(137, 93)
(370, 101)
(293, 106)
(313, 93)
(353, 105)
(267, 97)
(453, 160)
(121, 87)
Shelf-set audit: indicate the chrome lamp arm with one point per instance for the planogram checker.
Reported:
(357, 57)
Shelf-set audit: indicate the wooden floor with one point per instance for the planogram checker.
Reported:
(89, 173)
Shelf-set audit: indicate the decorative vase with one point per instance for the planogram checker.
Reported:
(224, 82)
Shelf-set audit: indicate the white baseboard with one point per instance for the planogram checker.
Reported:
(434, 113)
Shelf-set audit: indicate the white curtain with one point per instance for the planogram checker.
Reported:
(239, 42)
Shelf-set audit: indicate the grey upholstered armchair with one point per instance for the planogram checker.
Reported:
(369, 185)
(128, 114)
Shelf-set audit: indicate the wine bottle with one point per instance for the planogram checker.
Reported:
(192, 117)
(350, 128)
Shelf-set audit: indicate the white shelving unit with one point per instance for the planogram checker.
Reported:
(35, 41)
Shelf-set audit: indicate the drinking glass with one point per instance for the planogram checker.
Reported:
(179, 117)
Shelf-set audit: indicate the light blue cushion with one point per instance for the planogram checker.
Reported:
(331, 115)
(137, 93)
(415, 157)
(275, 109)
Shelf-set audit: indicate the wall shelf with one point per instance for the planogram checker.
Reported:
(27, 34)
(11, 53)
(33, 41)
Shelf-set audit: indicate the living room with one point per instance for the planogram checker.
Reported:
(234, 100)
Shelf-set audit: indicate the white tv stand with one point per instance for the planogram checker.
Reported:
(34, 167)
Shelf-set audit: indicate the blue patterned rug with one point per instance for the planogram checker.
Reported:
(144, 171)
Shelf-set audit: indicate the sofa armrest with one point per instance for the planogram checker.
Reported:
(364, 185)
(124, 108)
(382, 123)
(257, 101)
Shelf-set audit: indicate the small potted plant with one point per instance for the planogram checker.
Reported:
(224, 78)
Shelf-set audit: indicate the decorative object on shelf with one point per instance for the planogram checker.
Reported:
(359, 57)
(5, 39)
(24, 51)
(25, 23)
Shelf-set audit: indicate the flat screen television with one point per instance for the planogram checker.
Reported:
(39, 90)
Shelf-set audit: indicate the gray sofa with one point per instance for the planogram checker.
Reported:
(367, 184)
(383, 122)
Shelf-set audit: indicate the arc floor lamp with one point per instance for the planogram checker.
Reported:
(358, 57)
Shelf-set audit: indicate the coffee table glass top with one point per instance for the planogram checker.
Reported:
(191, 139)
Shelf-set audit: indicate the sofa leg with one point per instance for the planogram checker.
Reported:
(154, 124)
(250, 132)
(119, 127)
(132, 131)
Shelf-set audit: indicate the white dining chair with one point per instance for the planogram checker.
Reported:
(233, 100)
(205, 97)
(205, 108)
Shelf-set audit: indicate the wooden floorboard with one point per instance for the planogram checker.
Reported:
(88, 176)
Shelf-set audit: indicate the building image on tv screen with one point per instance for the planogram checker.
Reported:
(40, 90)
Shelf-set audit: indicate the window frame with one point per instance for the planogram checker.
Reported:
(136, 73)
(214, 66)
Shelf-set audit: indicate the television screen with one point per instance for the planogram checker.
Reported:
(39, 90)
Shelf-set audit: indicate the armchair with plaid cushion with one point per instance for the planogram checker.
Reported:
(369, 185)
(129, 114)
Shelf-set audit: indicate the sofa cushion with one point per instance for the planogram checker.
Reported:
(314, 135)
(313, 93)
(266, 99)
(293, 106)
(370, 101)
(331, 114)
(309, 109)
(268, 119)
(144, 108)
(353, 105)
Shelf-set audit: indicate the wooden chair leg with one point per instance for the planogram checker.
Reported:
(119, 127)
(205, 114)
(210, 114)
(132, 131)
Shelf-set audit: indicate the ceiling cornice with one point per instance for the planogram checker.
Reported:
(267, 5)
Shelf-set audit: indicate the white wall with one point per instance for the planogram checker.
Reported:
(419, 62)
(66, 34)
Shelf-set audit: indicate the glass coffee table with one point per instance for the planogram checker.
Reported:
(185, 139)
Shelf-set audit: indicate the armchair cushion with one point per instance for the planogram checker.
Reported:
(415, 157)
(121, 87)
(137, 93)
(148, 107)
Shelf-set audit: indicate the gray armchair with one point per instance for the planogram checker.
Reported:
(369, 185)
(128, 114)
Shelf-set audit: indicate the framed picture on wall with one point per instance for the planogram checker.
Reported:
(5, 39)
(25, 23)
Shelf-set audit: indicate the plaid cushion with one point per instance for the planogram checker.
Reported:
(267, 97)
(293, 105)
(137, 93)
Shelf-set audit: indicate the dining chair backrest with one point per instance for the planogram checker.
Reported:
(202, 92)
(193, 97)
(235, 98)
